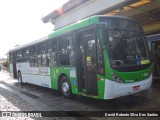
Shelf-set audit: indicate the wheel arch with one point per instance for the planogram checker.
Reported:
(59, 80)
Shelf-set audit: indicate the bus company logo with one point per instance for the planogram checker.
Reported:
(6, 114)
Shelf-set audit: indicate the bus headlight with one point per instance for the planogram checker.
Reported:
(116, 78)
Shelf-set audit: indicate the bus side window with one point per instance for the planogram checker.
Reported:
(66, 50)
(33, 56)
(25, 54)
(52, 52)
(42, 61)
(19, 56)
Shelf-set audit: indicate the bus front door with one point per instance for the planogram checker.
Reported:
(87, 60)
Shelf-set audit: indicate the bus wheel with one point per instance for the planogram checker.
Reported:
(65, 87)
(20, 77)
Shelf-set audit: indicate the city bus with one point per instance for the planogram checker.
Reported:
(101, 57)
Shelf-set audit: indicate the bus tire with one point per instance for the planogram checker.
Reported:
(65, 87)
(20, 78)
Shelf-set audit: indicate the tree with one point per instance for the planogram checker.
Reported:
(5, 64)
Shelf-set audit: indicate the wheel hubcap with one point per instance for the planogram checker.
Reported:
(65, 88)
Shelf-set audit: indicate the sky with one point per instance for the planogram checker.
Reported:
(20, 21)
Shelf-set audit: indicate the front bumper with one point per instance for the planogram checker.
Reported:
(114, 90)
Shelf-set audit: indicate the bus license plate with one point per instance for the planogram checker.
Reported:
(136, 88)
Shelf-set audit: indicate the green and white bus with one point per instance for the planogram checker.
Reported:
(102, 57)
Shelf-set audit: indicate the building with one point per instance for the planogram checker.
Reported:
(145, 11)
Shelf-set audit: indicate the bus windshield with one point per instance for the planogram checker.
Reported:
(126, 48)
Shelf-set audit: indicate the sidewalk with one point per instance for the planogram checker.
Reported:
(12, 102)
(4, 75)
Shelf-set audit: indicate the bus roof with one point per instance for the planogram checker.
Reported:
(28, 44)
(74, 26)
